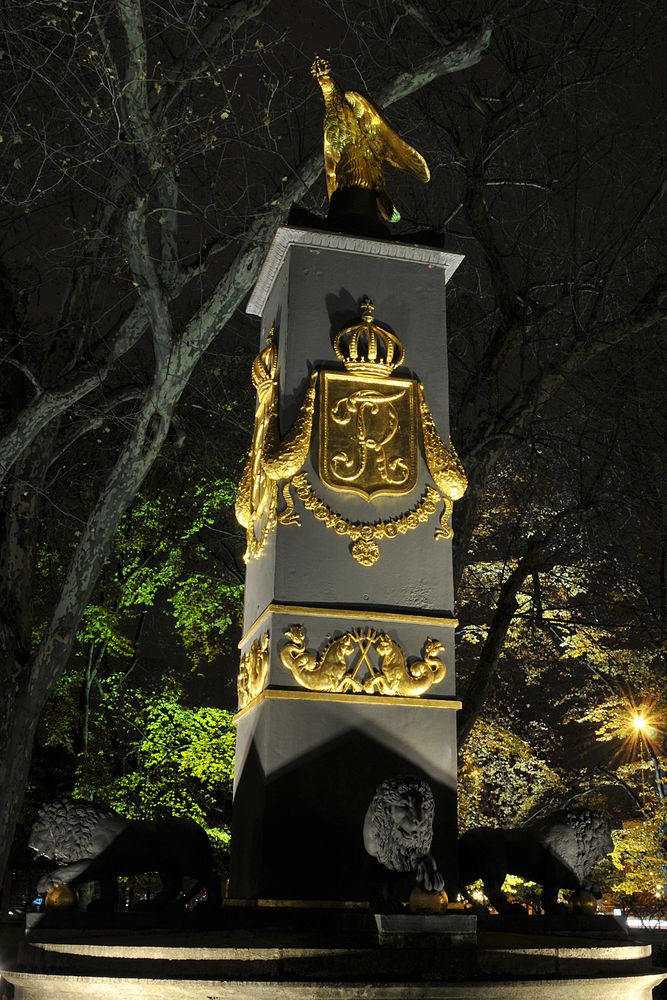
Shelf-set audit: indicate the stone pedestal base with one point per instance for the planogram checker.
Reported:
(307, 768)
(426, 930)
(245, 954)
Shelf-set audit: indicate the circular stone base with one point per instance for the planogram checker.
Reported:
(343, 956)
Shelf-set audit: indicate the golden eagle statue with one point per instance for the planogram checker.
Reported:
(356, 141)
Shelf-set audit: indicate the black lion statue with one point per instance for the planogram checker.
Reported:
(557, 852)
(397, 832)
(94, 845)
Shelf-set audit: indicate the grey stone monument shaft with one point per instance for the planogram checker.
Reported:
(308, 761)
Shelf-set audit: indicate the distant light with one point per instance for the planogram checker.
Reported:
(639, 722)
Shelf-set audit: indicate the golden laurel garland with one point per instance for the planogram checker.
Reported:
(364, 549)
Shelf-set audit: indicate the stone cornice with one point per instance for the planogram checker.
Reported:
(289, 236)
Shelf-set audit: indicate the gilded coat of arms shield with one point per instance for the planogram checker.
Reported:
(368, 434)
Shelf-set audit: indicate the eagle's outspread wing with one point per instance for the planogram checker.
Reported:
(382, 139)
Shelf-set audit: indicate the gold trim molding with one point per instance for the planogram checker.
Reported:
(355, 614)
(295, 694)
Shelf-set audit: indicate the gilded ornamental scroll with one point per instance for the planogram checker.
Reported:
(271, 457)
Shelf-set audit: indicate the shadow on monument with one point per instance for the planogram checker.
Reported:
(298, 833)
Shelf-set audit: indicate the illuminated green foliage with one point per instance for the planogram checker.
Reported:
(203, 610)
(158, 550)
(501, 778)
(130, 736)
(149, 754)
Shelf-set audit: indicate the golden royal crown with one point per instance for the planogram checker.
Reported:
(366, 348)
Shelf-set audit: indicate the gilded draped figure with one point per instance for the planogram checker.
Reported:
(271, 457)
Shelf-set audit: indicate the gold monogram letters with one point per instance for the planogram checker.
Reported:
(362, 660)
(368, 435)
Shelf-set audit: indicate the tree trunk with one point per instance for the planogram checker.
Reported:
(535, 557)
(16, 743)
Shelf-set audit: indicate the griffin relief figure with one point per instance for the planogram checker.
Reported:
(390, 674)
(401, 679)
(253, 671)
(356, 141)
(327, 672)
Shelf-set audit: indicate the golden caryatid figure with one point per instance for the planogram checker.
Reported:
(356, 141)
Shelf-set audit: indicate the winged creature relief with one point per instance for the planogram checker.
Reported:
(253, 670)
(409, 680)
(327, 672)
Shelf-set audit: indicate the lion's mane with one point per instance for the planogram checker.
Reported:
(65, 830)
(396, 849)
(578, 838)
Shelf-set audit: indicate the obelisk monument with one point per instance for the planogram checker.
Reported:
(347, 658)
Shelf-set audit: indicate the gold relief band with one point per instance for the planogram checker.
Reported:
(354, 614)
(295, 694)
(379, 664)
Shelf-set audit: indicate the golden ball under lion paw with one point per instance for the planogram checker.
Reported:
(583, 901)
(61, 897)
(422, 901)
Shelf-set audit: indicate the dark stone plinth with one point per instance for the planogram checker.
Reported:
(351, 210)
(354, 211)
(426, 930)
